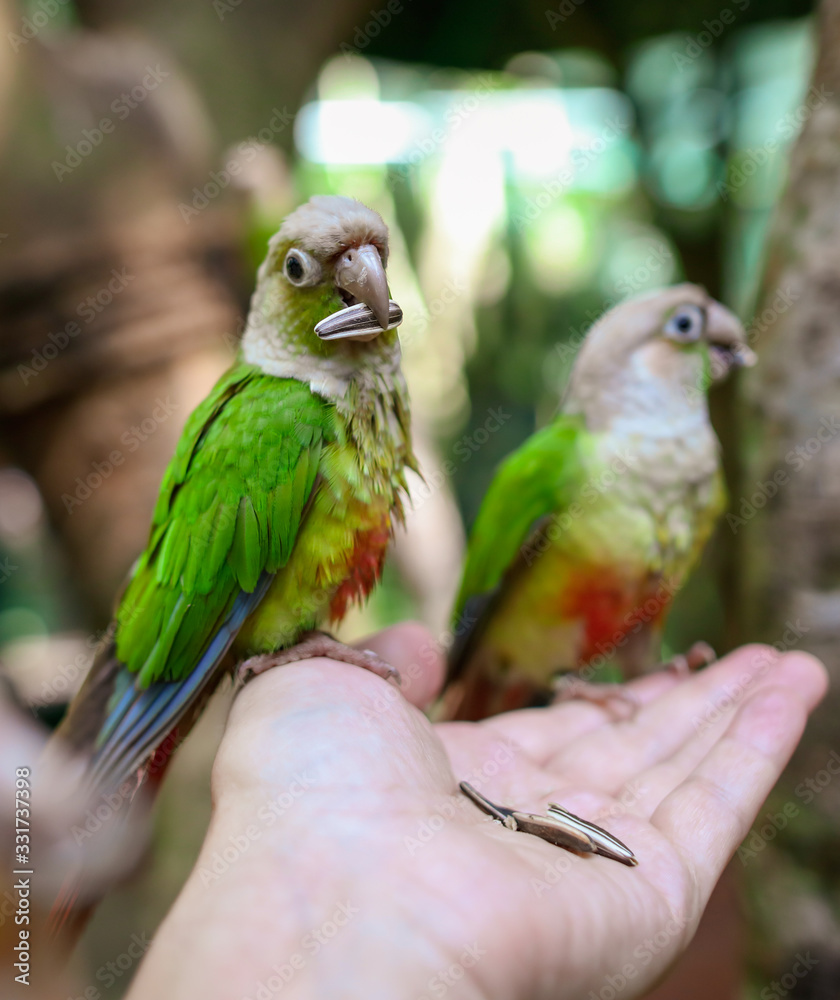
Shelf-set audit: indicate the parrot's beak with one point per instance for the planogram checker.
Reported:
(360, 275)
(727, 342)
(360, 279)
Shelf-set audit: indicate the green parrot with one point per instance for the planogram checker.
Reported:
(590, 528)
(276, 510)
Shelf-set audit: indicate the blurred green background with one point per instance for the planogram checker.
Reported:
(536, 165)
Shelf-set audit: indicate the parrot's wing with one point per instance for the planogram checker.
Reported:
(226, 520)
(542, 478)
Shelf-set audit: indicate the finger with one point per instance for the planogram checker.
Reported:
(543, 732)
(798, 673)
(413, 650)
(710, 813)
(703, 702)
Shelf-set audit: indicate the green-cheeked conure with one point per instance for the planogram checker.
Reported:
(277, 508)
(589, 529)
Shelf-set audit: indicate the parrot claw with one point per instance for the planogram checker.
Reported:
(560, 827)
(613, 698)
(314, 644)
(700, 654)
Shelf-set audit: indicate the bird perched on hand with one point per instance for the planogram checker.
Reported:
(276, 510)
(589, 529)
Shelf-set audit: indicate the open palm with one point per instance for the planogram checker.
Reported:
(342, 862)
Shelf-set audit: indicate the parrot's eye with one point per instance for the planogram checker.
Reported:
(301, 269)
(686, 325)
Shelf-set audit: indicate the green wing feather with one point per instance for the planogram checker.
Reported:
(541, 478)
(229, 509)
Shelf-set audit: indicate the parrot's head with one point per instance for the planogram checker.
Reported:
(690, 325)
(322, 292)
(657, 348)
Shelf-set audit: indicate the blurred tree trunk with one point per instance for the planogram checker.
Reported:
(787, 513)
(167, 288)
(792, 549)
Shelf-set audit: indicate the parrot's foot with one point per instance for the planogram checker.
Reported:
(699, 655)
(613, 698)
(317, 644)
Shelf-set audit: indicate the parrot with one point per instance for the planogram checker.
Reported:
(275, 512)
(590, 528)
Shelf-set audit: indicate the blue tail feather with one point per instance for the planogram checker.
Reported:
(142, 717)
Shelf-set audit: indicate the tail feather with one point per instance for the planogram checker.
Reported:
(126, 736)
(144, 717)
(67, 919)
(481, 693)
(478, 685)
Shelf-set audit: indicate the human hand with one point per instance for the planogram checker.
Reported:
(375, 878)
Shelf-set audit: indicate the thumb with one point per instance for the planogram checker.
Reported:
(414, 651)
